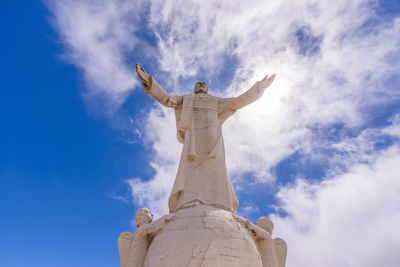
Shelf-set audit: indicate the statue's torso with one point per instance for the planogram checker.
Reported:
(202, 174)
(205, 122)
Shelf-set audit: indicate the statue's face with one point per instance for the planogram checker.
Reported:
(200, 87)
(143, 216)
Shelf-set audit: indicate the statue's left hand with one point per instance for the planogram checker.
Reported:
(265, 83)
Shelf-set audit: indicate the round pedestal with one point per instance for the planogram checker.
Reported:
(203, 236)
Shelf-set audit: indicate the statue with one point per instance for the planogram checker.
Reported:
(202, 228)
(133, 247)
(202, 176)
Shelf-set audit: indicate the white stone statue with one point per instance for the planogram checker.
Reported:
(202, 229)
(133, 247)
(202, 176)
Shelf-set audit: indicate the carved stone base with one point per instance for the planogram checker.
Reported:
(203, 236)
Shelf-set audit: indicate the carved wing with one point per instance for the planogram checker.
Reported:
(281, 251)
(124, 243)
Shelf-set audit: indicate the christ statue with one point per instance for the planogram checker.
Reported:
(202, 177)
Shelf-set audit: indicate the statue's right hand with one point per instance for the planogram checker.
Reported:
(265, 83)
(143, 75)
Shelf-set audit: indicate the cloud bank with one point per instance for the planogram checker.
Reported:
(347, 220)
(97, 36)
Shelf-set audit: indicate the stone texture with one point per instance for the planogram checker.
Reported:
(203, 236)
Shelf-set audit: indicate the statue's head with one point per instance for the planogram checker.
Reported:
(143, 216)
(265, 224)
(200, 87)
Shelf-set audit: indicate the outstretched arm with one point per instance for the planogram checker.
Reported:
(151, 87)
(251, 95)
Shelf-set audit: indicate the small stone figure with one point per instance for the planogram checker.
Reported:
(272, 251)
(133, 247)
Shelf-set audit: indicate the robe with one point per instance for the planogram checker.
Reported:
(202, 175)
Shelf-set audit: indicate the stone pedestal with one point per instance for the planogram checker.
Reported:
(203, 236)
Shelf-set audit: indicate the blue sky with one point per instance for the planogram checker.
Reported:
(82, 147)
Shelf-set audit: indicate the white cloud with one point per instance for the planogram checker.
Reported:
(97, 36)
(394, 129)
(247, 210)
(161, 134)
(347, 220)
(340, 83)
(114, 196)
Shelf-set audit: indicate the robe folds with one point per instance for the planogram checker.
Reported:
(202, 175)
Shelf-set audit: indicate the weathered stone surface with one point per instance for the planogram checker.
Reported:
(203, 236)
